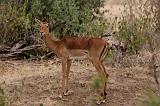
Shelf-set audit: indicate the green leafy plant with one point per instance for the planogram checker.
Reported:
(17, 18)
(2, 100)
(96, 82)
(149, 98)
(140, 20)
(132, 33)
(14, 23)
(77, 15)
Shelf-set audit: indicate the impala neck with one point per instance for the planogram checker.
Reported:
(50, 41)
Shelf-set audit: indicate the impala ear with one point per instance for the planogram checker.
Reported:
(38, 21)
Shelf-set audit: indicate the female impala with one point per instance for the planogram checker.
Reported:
(94, 48)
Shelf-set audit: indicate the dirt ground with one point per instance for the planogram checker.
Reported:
(37, 83)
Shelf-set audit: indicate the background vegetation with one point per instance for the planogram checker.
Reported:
(2, 99)
(17, 18)
(78, 18)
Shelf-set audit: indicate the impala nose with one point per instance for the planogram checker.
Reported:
(42, 34)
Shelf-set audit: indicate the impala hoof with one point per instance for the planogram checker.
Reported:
(103, 95)
(103, 101)
(67, 93)
(100, 101)
(60, 96)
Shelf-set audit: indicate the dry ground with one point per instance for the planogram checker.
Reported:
(31, 83)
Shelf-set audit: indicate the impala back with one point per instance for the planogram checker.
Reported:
(80, 46)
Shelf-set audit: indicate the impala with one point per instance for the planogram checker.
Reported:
(66, 48)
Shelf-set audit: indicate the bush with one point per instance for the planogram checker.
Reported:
(138, 23)
(96, 82)
(132, 34)
(17, 18)
(149, 99)
(14, 23)
(77, 15)
(2, 100)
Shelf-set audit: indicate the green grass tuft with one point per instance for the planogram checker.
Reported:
(96, 82)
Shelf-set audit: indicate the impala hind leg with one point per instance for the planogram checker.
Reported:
(102, 74)
(106, 79)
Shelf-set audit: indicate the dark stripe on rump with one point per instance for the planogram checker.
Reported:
(102, 51)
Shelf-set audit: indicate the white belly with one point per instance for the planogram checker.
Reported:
(76, 54)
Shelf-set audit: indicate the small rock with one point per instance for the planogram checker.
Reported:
(111, 81)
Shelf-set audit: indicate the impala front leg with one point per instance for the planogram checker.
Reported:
(67, 74)
(64, 76)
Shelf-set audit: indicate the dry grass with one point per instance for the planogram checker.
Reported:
(119, 8)
(31, 83)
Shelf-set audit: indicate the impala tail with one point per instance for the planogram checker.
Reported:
(114, 42)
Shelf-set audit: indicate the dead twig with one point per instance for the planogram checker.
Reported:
(19, 51)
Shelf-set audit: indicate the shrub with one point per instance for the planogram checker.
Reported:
(17, 18)
(77, 15)
(138, 24)
(2, 100)
(96, 82)
(14, 23)
(149, 99)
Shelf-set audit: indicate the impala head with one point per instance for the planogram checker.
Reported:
(113, 42)
(44, 27)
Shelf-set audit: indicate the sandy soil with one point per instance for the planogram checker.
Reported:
(113, 8)
(33, 83)
(120, 8)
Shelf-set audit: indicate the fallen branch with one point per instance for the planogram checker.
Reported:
(17, 46)
(19, 51)
(47, 55)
